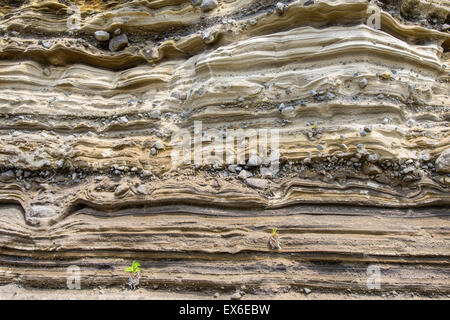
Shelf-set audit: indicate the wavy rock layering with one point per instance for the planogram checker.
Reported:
(363, 119)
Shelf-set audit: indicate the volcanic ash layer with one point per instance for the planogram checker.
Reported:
(89, 105)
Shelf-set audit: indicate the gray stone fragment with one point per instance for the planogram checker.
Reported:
(371, 169)
(363, 83)
(373, 157)
(407, 170)
(121, 190)
(236, 296)
(280, 7)
(155, 114)
(42, 211)
(119, 42)
(287, 110)
(141, 189)
(158, 145)
(254, 161)
(443, 162)
(46, 72)
(7, 176)
(101, 35)
(47, 44)
(257, 183)
(244, 174)
(208, 5)
(123, 119)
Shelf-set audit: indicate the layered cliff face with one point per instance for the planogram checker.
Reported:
(94, 95)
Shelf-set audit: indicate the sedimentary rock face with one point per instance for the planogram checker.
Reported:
(168, 131)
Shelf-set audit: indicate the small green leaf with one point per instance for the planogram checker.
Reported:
(134, 267)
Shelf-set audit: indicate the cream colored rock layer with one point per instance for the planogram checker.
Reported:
(79, 183)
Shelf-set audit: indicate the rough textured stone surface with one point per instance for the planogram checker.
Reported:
(101, 35)
(208, 5)
(118, 42)
(443, 162)
(236, 296)
(86, 170)
(257, 183)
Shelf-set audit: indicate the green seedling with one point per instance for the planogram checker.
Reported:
(274, 241)
(133, 280)
(134, 267)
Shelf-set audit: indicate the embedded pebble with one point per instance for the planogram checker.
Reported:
(236, 296)
(280, 7)
(101, 35)
(208, 5)
(118, 42)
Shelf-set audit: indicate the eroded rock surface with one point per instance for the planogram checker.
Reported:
(443, 162)
(86, 143)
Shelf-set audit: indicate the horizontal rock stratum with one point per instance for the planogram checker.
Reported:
(92, 94)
